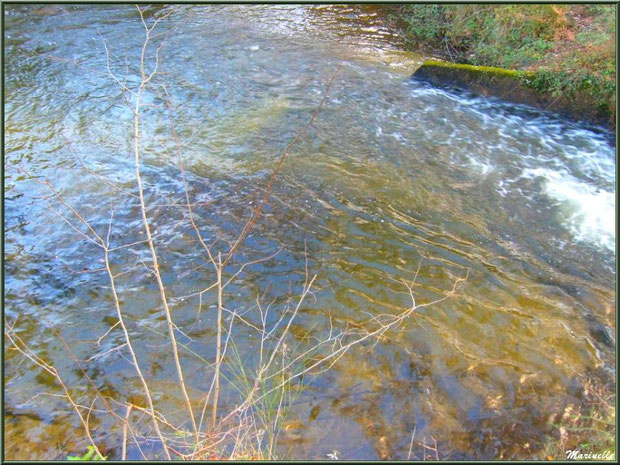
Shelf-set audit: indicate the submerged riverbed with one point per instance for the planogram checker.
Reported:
(393, 180)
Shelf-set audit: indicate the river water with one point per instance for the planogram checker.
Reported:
(393, 180)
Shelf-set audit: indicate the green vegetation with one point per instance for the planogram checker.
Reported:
(90, 454)
(570, 48)
(483, 69)
(588, 429)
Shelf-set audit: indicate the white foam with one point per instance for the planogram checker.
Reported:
(590, 210)
(482, 167)
(575, 166)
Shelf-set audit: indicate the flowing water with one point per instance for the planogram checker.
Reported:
(392, 178)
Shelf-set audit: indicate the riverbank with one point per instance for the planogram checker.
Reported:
(569, 49)
(521, 87)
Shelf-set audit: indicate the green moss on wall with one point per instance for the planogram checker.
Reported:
(585, 101)
(483, 69)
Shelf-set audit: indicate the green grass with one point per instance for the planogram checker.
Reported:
(88, 456)
(491, 35)
(570, 48)
(589, 428)
(275, 401)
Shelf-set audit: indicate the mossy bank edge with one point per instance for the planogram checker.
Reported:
(524, 87)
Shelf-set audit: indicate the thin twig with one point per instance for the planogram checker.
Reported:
(147, 229)
(248, 226)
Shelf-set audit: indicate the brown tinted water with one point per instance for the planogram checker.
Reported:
(392, 177)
